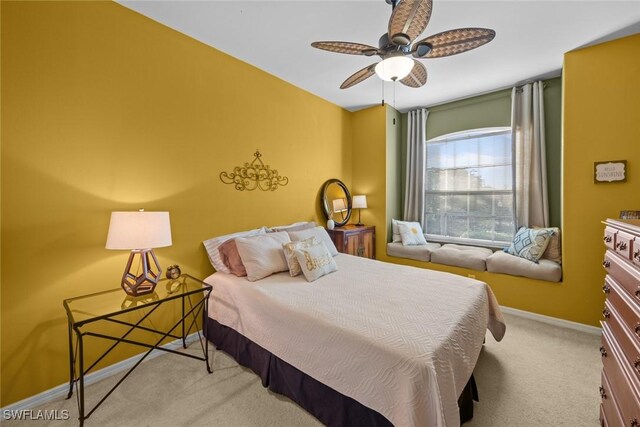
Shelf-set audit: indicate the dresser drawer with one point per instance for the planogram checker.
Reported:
(609, 412)
(630, 356)
(610, 237)
(624, 244)
(625, 305)
(625, 392)
(625, 273)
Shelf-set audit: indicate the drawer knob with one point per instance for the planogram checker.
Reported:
(606, 264)
(636, 364)
(638, 292)
(606, 289)
(603, 352)
(603, 394)
(636, 254)
(637, 329)
(606, 313)
(621, 246)
(607, 239)
(633, 422)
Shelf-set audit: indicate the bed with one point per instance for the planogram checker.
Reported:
(396, 344)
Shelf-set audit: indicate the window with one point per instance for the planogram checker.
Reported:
(469, 187)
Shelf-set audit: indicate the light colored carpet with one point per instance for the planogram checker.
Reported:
(539, 375)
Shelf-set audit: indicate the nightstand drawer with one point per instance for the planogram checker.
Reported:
(355, 240)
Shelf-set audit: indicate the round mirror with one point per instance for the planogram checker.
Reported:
(336, 202)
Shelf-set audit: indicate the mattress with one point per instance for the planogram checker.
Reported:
(402, 341)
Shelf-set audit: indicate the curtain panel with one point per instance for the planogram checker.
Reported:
(531, 202)
(414, 198)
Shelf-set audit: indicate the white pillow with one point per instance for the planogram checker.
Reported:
(315, 261)
(263, 255)
(411, 234)
(214, 243)
(296, 226)
(395, 231)
(319, 233)
(289, 253)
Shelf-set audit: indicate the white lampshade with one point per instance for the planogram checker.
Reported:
(394, 68)
(139, 230)
(359, 202)
(339, 205)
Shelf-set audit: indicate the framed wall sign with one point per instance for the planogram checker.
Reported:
(611, 171)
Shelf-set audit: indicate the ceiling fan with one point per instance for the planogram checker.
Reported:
(408, 20)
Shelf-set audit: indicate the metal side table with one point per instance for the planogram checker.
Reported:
(127, 314)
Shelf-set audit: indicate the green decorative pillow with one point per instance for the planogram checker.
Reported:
(315, 261)
(530, 243)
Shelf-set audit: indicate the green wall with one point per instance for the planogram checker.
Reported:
(394, 163)
(553, 129)
(491, 110)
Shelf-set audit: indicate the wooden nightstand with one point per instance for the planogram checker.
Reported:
(353, 240)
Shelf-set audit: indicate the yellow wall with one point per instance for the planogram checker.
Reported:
(600, 122)
(369, 169)
(104, 109)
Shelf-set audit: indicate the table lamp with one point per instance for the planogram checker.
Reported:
(359, 202)
(140, 232)
(340, 205)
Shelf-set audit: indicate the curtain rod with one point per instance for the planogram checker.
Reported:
(548, 76)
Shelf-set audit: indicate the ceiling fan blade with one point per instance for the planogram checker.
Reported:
(359, 76)
(408, 20)
(417, 77)
(346, 47)
(452, 42)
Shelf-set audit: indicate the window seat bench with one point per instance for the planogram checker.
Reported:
(480, 259)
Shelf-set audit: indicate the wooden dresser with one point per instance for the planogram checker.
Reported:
(354, 240)
(620, 350)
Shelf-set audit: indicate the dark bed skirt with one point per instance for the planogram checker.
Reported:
(327, 405)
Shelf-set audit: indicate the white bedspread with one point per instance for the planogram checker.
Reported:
(402, 341)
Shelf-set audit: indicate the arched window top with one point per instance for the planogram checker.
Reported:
(471, 133)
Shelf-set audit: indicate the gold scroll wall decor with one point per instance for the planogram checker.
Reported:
(254, 175)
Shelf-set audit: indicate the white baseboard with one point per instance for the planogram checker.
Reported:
(552, 320)
(63, 389)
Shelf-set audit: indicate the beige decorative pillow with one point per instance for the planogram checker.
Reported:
(263, 255)
(315, 261)
(411, 234)
(320, 233)
(289, 253)
(554, 248)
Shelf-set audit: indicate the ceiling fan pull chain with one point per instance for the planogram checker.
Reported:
(394, 94)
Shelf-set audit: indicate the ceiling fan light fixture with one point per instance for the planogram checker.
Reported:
(394, 68)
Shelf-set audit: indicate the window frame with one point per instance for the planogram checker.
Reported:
(459, 136)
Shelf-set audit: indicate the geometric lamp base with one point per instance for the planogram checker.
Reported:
(145, 282)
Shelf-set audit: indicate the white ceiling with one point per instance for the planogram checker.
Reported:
(275, 36)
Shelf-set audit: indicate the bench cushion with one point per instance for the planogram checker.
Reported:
(417, 252)
(502, 262)
(462, 256)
